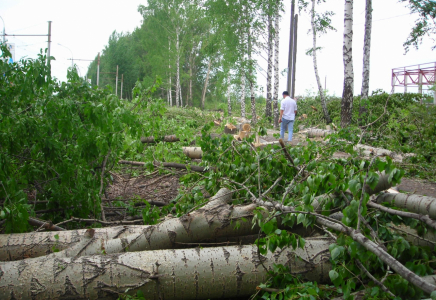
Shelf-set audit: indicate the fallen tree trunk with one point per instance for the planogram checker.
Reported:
(165, 164)
(167, 138)
(201, 273)
(414, 203)
(33, 244)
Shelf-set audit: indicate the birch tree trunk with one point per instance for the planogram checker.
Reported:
(366, 60)
(315, 66)
(268, 113)
(177, 68)
(243, 96)
(170, 98)
(229, 104)
(276, 70)
(203, 97)
(348, 91)
(415, 203)
(200, 273)
(367, 49)
(252, 98)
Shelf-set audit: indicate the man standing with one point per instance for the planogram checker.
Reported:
(288, 110)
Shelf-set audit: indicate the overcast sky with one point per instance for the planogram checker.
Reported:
(80, 29)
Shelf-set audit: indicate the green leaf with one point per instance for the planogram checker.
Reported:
(267, 228)
(333, 275)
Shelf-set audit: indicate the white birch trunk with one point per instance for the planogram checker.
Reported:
(348, 91)
(315, 66)
(229, 104)
(243, 96)
(201, 273)
(252, 98)
(170, 98)
(415, 203)
(268, 113)
(367, 49)
(276, 70)
(203, 97)
(33, 244)
(177, 68)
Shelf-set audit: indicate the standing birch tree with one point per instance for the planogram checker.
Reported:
(320, 24)
(348, 90)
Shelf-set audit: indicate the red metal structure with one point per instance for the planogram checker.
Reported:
(415, 76)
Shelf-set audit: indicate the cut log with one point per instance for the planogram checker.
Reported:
(246, 127)
(200, 273)
(414, 203)
(193, 152)
(217, 122)
(167, 138)
(312, 133)
(230, 129)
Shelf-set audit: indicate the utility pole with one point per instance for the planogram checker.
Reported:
(48, 48)
(116, 82)
(122, 80)
(98, 68)
(291, 47)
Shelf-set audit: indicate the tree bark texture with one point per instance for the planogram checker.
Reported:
(33, 244)
(270, 54)
(367, 49)
(193, 152)
(203, 97)
(243, 96)
(276, 70)
(415, 203)
(348, 91)
(200, 273)
(327, 118)
(229, 104)
(177, 68)
(250, 61)
(291, 48)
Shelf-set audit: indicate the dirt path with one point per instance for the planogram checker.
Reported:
(418, 186)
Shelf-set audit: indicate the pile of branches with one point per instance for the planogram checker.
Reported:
(282, 222)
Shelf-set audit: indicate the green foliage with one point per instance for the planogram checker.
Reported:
(425, 25)
(406, 127)
(54, 138)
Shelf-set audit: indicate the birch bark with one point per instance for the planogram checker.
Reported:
(268, 113)
(315, 66)
(203, 97)
(250, 61)
(229, 104)
(348, 91)
(243, 96)
(201, 273)
(276, 70)
(367, 49)
(177, 67)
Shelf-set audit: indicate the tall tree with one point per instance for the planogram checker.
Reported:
(270, 54)
(276, 69)
(320, 24)
(348, 91)
(366, 49)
